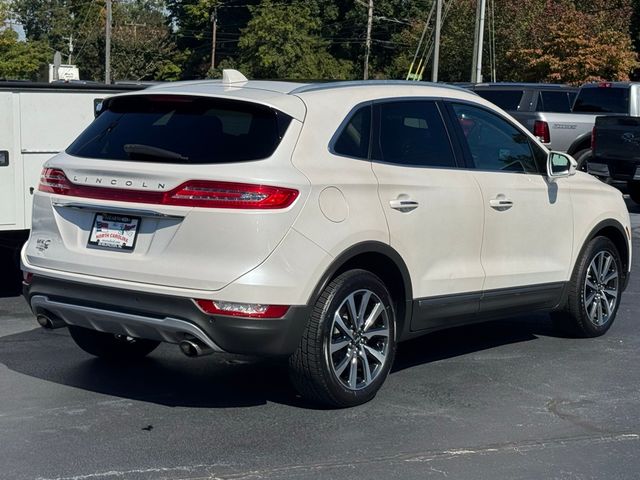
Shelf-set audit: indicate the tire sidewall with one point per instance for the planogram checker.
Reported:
(353, 281)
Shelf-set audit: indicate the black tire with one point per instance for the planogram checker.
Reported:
(111, 347)
(574, 319)
(582, 159)
(634, 191)
(313, 368)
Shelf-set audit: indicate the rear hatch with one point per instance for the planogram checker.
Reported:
(174, 190)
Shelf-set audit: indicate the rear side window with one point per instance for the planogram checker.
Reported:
(353, 140)
(602, 99)
(505, 99)
(412, 133)
(558, 102)
(181, 129)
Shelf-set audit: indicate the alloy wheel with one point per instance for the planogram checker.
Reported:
(359, 343)
(601, 288)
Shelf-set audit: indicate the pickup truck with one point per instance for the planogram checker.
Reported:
(564, 130)
(616, 152)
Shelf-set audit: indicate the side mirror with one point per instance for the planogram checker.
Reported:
(560, 165)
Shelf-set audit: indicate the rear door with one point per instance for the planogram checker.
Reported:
(433, 209)
(8, 163)
(528, 228)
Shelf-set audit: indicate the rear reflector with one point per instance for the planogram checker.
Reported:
(27, 278)
(194, 193)
(593, 139)
(253, 310)
(541, 130)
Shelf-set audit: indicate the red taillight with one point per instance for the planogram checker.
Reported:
(605, 85)
(194, 193)
(53, 180)
(232, 309)
(593, 139)
(27, 278)
(197, 193)
(541, 130)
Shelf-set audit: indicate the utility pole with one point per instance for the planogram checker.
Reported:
(107, 53)
(70, 38)
(214, 27)
(368, 41)
(476, 71)
(436, 43)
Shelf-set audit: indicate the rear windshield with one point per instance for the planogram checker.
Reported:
(181, 129)
(559, 102)
(602, 99)
(505, 99)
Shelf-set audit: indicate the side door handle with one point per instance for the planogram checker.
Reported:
(501, 203)
(403, 204)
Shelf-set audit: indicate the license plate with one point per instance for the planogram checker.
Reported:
(116, 232)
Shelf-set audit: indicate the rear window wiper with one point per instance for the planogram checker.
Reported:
(151, 151)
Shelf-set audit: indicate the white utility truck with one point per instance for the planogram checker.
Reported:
(37, 120)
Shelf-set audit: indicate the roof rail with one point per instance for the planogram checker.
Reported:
(355, 83)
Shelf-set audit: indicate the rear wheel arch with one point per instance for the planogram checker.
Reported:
(384, 262)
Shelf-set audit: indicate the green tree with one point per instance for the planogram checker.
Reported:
(19, 60)
(283, 41)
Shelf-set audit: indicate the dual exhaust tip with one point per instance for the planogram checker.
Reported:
(190, 347)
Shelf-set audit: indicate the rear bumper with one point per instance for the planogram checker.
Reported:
(165, 318)
(622, 170)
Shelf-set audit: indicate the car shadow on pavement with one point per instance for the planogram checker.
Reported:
(10, 275)
(168, 378)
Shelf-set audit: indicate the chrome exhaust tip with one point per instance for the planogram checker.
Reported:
(194, 348)
(49, 321)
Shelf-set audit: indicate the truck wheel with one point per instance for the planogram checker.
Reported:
(111, 347)
(348, 346)
(582, 159)
(593, 291)
(634, 191)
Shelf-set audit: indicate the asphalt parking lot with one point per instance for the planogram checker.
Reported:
(505, 400)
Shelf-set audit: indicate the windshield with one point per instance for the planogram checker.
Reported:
(181, 129)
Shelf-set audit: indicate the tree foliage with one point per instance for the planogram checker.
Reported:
(538, 40)
(282, 41)
(18, 60)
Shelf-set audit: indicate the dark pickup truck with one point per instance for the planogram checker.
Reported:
(616, 151)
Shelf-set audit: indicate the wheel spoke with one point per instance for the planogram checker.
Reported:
(592, 312)
(363, 307)
(599, 305)
(611, 292)
(607, 307)
(591, 285)
(373, 316)
(593, 268)
(376, 332)
(337, 319)
(353, 373)
(610, 277)
(365, 366)
(338, 345)
(588, 300)
(342, 365)
(600, 265)
(380, 357)
(607, 264)
(353, 315)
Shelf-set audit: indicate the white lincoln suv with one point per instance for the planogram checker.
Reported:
(323, 223)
